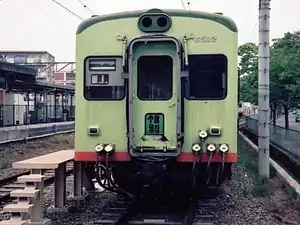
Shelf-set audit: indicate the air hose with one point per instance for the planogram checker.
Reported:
(104, 177)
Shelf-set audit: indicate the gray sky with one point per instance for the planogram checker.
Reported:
(43, 25)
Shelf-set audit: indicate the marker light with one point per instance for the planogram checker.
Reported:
(196, 148)
(215, 131)
(99, 148)
(203, 134)
(224, 148)
(109, 148)
(211, 147)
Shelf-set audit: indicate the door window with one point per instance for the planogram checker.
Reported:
(155, 77)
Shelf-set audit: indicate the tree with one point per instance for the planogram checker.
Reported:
(285, 72)
(249, 58)
(248, 88)
(248, 68)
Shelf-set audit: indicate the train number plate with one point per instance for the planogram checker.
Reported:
(154, 124)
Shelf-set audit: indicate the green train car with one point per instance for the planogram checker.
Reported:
(157, 99)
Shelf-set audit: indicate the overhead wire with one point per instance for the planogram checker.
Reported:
(253, 32)
(248, 11)
(64, 7)
(183, 5)
(45, 11)
(85, 6)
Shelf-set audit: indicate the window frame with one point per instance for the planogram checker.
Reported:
(85, 67)
(138, 86)
(187, 83)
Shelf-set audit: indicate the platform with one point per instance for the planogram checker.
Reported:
(18, 133)
(34, 182)
(20, 78)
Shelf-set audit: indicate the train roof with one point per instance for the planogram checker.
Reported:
(226, 21)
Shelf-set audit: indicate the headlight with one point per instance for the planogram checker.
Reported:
(109, 148)
(99, 148)
(224, 148)
(211, 147)
(203, 134)
(196, 148)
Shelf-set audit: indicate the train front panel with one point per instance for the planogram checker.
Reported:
(156, 84)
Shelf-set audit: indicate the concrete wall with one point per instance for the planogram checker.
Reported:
(8, 134)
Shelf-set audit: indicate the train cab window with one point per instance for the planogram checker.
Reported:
(207, 77)
(103, 80)
(154, 77)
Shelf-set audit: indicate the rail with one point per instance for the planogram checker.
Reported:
(198, 211)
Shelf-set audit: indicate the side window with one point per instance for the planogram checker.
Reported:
(103, 80)
(207, 77)
(155, 77)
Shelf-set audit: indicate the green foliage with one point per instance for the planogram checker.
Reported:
(261, 187)
(248, 158)
(248, 68)
(284, 71)
(248, 88)
(249, 58)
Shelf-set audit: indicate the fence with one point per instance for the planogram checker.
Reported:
(288, 140)
(13, 115)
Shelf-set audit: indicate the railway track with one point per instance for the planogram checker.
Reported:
(194, 212)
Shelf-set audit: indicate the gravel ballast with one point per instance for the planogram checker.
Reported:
(254, 201)
(79, 212)
(248, 200)
(18, 151)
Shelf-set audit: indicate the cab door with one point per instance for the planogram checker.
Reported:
(155, 87)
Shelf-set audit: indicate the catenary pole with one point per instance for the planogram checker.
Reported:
(263, 88)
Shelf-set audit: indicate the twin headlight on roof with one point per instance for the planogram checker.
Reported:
(203, 134)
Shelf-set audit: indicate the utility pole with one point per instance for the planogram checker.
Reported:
(263, 88)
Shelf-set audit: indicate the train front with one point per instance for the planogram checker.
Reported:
(157, 104)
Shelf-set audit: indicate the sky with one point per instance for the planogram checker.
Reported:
(44, 25)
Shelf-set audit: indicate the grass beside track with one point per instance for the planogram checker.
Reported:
(279, 200)
(17, 151)
(248, 158)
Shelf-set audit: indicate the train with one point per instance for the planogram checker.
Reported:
(157, 100)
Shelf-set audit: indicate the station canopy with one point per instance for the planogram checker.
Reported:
(22, 79)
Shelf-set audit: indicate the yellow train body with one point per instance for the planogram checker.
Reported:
(198, 33)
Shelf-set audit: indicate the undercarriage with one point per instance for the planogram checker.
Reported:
(159, 179)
